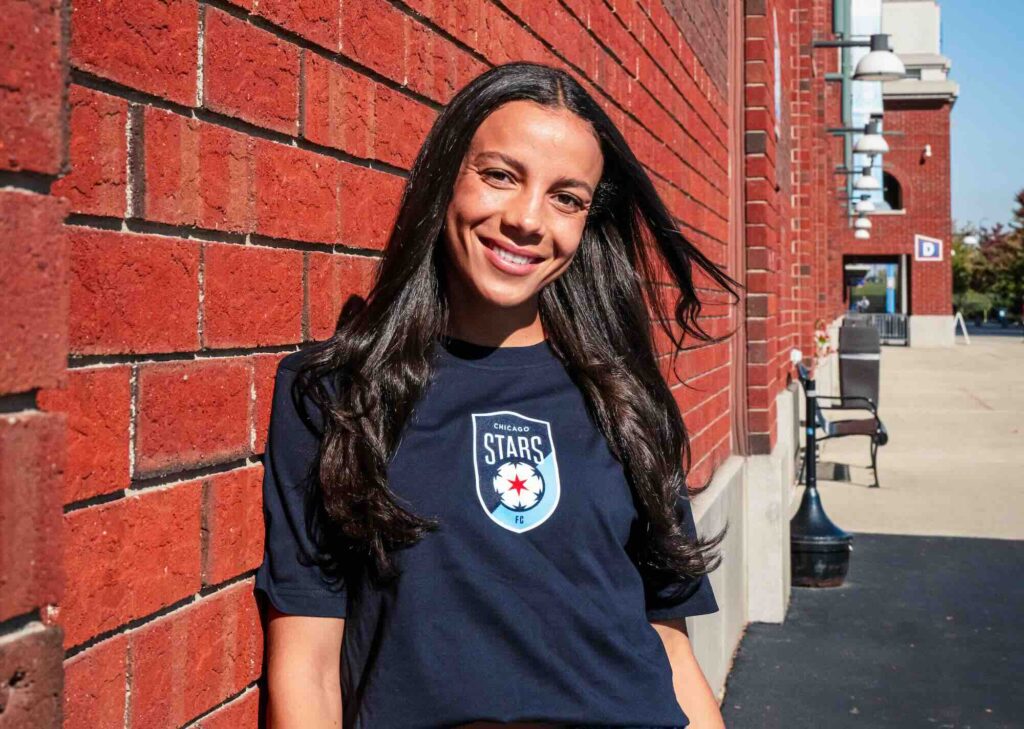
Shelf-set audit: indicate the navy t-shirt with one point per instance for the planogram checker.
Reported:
(524, 606)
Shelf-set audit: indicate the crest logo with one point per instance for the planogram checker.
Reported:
(516, 471)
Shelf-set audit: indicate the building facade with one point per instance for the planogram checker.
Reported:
(190, 191)
(905, 268)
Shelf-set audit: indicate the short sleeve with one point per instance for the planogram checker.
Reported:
(686, 597)
(292, 582)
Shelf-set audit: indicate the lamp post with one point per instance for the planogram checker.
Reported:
(819, 549)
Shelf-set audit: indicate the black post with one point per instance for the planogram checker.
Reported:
(820, 550)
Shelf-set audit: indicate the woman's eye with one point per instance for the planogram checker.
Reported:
(570, 200)
(497, 174)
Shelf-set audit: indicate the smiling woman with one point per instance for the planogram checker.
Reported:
(517, 216)
(475, 489)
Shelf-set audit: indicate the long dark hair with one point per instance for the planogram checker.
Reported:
(596, 316)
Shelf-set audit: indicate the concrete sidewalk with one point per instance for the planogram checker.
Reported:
(925, 632)
(954, 464)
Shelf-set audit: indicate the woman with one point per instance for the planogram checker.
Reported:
(478, 482)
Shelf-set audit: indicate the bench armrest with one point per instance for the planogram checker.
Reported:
(866, 402)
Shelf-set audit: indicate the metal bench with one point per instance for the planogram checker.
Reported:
(859, 359)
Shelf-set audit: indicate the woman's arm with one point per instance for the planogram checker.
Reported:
(692, 690)
(303, 665)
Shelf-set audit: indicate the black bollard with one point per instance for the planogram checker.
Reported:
(820, 550)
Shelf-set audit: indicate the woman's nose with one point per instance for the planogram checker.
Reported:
(524, 212)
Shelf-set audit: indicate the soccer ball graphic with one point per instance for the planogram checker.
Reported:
(519, 485)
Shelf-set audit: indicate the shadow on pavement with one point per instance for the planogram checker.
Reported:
(926, 632)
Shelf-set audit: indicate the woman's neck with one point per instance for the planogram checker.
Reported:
(496, 326)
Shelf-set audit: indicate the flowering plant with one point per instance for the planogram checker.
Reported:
(822, 341)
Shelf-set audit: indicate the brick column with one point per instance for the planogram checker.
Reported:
(762, 223)
(33, 328)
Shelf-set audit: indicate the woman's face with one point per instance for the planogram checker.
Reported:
(520, 203)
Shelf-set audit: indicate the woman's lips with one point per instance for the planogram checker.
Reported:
(516, 269)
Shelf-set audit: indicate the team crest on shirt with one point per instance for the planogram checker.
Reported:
(516, 471)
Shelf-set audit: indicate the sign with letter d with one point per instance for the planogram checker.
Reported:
(927, 249)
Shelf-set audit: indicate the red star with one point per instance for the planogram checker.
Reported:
(518, 484)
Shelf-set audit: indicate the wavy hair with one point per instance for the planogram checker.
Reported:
(367, 377)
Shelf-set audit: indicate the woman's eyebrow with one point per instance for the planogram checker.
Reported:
(521, 169)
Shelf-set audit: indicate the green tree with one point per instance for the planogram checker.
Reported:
(991, 274)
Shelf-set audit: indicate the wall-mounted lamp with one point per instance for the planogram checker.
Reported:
(864, 206)
(862, 234)
(872, 142)
(866, 181)
(862, 223)
(879, 64)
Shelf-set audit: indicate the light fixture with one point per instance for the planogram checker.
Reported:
(880, 63)
(862, 223)
(864, 206)
(866, 182)
(862, 234)
(872, 142)
(971, 240)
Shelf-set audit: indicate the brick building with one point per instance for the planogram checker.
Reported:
(915, 198)
(189, 190)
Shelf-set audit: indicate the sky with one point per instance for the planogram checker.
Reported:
(984, 39)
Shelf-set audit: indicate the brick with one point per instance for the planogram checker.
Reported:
(318, 21)
(431, 63)
(191, 414)
(757, 305)
(296, 193)
(196, 173)
(232, 524)
(332, 279)
(757, 352)
(130, 557)
(339, 107)
(33, 275)
(96, 183)
(189, 661)
(132, 293)
(149, 45)
(373, 33)
(369, 203)
(242, 712)
(31, 84)
(407, 123)
(31, 677)
(252, 296)
(759, 443)
(97, 405)
(31, 469)
(264, 371)
(250, 73)
(94, 685)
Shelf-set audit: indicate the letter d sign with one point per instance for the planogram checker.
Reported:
(927, 249)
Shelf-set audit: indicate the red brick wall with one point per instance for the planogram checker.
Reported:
(191, 191)
(926, 201)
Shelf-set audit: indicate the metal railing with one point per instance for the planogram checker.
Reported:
(892, 328)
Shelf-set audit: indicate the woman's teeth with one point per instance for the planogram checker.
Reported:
(510, 257)
(506, 256)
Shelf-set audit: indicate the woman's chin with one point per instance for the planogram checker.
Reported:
(502, 297)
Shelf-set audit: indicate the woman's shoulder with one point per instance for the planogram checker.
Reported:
(294, 361)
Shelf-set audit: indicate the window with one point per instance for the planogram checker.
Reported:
(892, 191)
